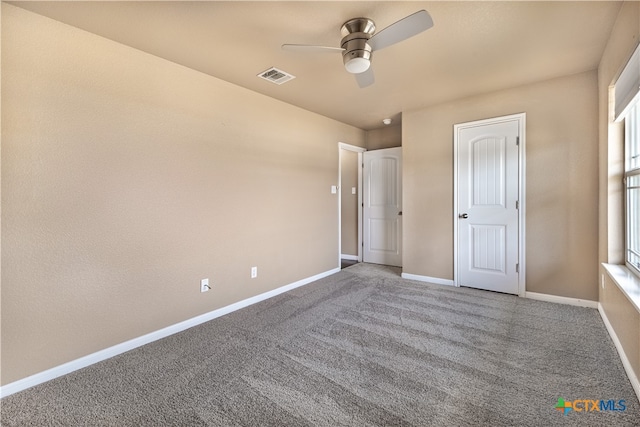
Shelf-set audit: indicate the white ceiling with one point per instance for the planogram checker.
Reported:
(474, 47)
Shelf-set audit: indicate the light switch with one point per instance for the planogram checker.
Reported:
(353, 190)
(334, 189)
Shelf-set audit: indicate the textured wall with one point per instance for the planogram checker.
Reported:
(385, 137)
(126, 179)
(561, 182)
(624, 319)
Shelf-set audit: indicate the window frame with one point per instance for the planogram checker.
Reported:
(631, 142)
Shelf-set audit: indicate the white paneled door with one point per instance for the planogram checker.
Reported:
(382, 214)
(487, 208)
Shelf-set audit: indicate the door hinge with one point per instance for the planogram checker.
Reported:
(517, 268)
(517, 204)
(517, 140)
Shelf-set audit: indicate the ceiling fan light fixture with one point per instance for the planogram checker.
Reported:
(357, 65)
(357, 53)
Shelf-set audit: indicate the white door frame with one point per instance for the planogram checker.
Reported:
(521, 118)
(359, 150)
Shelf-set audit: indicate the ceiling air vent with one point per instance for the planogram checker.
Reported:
(276, 76)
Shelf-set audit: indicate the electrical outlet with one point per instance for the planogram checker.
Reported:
(254, 272)
(204, 285)
(602, 280)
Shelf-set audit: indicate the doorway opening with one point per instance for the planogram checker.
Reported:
(349, 204)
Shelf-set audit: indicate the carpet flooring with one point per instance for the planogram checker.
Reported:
(362, 347)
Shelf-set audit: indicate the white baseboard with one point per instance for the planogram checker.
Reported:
(635, 383)
(349, 257)
(561, 300)
(428, 279)
(107, 353)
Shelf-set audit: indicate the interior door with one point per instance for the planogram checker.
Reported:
(488, 206)
(382, 214)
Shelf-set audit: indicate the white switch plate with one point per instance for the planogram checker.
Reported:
(353, 190)
(334, 189)
(204, 285)
(254, 272)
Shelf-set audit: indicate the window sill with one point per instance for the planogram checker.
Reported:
(627, 282)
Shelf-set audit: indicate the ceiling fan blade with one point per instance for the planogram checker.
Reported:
(365, 79)
(310, 48)
(403, 29)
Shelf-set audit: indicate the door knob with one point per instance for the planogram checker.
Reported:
(463, 216)
(400, 213)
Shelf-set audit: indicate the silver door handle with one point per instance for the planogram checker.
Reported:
(463, 216)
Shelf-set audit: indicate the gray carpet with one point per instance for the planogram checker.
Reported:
(360, 348)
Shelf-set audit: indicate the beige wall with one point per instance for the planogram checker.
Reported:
(561, 182)
(622, 315)
(0, 197)
(126, 179)
(385, 137)
(349, 205)
(624, 319)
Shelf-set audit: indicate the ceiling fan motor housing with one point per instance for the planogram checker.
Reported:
(357, 52)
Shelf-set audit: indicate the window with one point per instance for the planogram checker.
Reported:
(632, 188)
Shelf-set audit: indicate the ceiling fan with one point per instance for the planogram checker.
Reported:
(360, 41)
